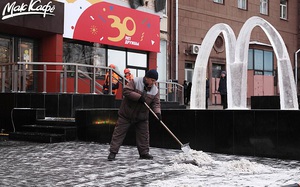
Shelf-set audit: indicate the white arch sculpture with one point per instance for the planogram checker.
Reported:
(199, 76)
(236, 66)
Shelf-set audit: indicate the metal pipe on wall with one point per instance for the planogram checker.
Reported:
(296, 67)
(176, 42)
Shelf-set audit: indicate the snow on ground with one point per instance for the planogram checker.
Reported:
(85, 164)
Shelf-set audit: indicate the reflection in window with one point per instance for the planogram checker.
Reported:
(99, 58)
(117, 58)
(26, 51)
(5, 71)
(268, 61)
(250, 59)
(84, 54)
(137, 59)
(258, 59)
(26, 55)
(132, 60)
(94, 54)
(4, 50)
(261, 62)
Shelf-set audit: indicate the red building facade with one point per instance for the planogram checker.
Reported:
(75, 32)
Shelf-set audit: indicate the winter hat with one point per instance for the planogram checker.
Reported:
(223, 72)
(152, 74)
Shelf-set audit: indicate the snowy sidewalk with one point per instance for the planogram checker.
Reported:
(85, 164)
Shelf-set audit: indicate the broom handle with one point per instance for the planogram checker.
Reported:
(163, 124)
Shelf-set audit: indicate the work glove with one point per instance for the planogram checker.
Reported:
(142, 100)
(158, 116)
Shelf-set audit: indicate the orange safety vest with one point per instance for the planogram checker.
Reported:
(115, 81)
(115, 78)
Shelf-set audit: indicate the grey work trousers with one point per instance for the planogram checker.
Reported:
(120, 131)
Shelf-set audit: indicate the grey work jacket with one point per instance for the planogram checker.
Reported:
(133, 110)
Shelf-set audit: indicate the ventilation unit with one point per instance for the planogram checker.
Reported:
(195, 49)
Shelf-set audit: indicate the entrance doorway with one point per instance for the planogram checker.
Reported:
(214, 83)
(5, 62)
(13, 50)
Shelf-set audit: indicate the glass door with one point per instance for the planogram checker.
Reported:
(26, 55)
(214, 83)
(5, 66)
(13, 50)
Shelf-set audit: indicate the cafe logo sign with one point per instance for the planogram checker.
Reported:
(33, 8)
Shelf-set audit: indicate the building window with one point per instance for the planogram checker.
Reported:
(164, 11)
(83, 53)
(219, 1)
(250, 59)
(189, 71)
(242, 4)
(261, 62)
(283, 9)
(264, 6)
(137, 62)
(87, 53)
(268, 63)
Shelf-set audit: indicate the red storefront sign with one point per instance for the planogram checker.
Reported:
(119, 26)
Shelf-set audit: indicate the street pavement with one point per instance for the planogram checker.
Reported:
(83, 164)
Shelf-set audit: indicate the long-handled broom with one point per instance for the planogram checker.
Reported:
(184, 147)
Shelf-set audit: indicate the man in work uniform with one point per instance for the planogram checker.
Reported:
(128, 75)
(134, 112)
(115, 81)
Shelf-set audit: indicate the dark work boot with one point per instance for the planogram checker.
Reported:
(111, 157)
(146, 156)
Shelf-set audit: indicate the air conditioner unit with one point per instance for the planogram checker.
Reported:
(195, 49)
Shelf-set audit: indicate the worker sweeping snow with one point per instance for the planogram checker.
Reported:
(132, 111)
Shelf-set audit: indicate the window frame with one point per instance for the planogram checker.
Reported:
(188, 70)
(262, 67)
(264, 7)
(243, 4)
(105, 60)
(283, 9)
(219, 1)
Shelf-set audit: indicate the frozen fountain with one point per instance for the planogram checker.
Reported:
(236, 65)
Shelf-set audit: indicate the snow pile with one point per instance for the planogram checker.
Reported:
(245, 166)
(199, 157)
(183, 162)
